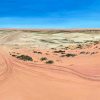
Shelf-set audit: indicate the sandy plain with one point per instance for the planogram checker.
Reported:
(74, 73)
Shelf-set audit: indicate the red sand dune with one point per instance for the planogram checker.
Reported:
(76, 78)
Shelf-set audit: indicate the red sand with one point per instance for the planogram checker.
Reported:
(73, 78)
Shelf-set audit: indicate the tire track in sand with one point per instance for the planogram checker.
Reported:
(56, 68)
(5, 65)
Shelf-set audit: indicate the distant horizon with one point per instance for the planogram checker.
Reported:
(64, 29)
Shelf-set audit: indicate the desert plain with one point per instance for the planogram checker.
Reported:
(49, 64)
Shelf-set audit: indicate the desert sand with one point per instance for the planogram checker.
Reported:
(26, 72)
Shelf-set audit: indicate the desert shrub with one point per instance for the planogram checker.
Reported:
(25, 58)
(96, 42)
(37, 52)
(63, 53)
(13, 55)
(53, 48)
(43, 58)
(66, 48)
(59, 51)
(87, 52)
(79, 46)
(70, 55)
(93, 53)
(49, 62)
(83, 52)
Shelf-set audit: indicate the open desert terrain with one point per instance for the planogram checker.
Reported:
(49, 64)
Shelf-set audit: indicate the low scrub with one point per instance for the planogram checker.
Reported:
(79, 46)
(59, 51)
(37, 52)
(25, 57)
(43, 58)
(49, 62)
(70, 55)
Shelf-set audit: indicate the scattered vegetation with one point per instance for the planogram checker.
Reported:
(79, 46)
(70, 55)
(43, 58)
(63, 53)
(49, 62)
(83, 52)
(24, 57)
(37, 52)
(93, 53)
(96, 42)
(87, 52)
(66, 48)
(59, 51)
(13, 55)
(88, 41)
(93, 42)
(46, 41)
(53, 48)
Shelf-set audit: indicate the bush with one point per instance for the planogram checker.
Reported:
(82, 52)
(59, 51)
(49, 62)
(96, 42)
(37, 52)
(25, 58)
(13, 55)
(43, 58)
(79, 46)
(70, 55)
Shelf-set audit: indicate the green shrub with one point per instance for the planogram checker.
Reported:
(37, 52)
(59, 51)
(49, 62)
(43, 58)
(25, 58)
(79, 46)
(70, 55)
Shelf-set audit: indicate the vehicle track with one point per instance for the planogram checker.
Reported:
(5, 67)
(56, 68)
(8, 63)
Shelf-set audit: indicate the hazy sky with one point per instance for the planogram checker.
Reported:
(50, 13)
